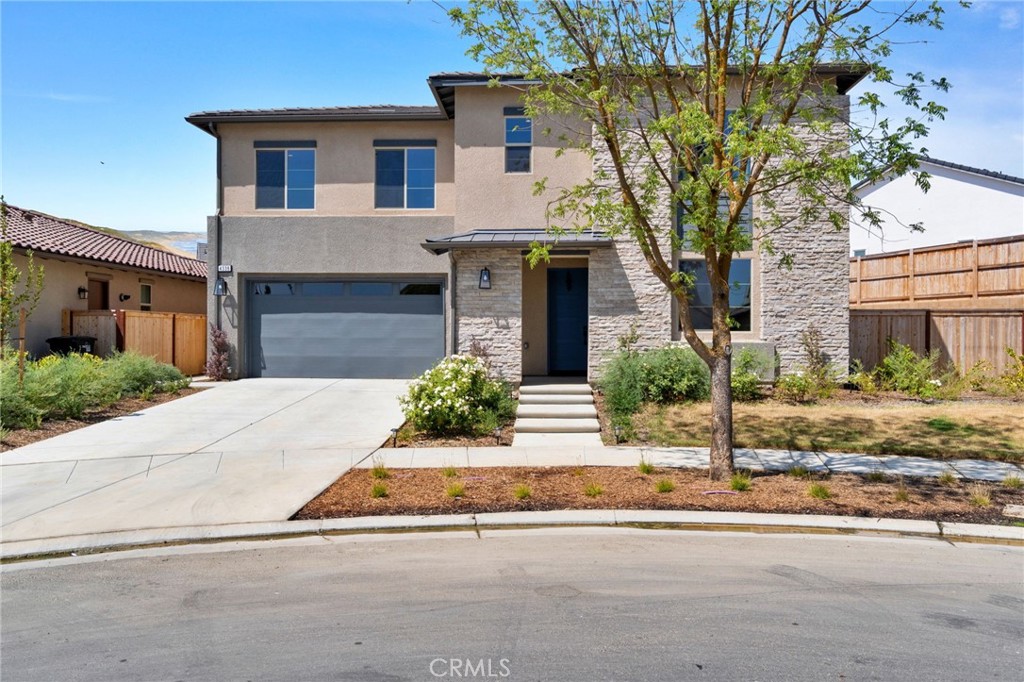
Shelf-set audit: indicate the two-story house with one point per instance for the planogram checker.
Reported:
(372, 241)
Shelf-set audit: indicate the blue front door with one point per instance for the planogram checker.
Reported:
(567, 320)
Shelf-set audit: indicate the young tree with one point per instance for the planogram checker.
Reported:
(12, 279)
(706, 108)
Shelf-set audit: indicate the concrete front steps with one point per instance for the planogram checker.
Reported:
(556, 411)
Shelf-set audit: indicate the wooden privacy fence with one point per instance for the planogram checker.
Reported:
(963, 337)
(178, 339)
(985, 274)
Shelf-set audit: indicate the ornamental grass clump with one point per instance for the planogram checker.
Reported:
(456, 397)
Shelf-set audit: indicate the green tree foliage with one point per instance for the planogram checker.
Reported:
(650, 84)
(17, 289)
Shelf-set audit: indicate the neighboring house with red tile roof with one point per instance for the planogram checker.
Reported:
(87, 269)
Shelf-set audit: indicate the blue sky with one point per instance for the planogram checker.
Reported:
(94, 94)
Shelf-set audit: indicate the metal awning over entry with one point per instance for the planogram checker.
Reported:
(504, 239)
(344, 328)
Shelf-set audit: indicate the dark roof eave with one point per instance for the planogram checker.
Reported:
(202, 120)
(441, 246)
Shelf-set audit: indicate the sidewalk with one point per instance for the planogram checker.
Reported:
(692, 458)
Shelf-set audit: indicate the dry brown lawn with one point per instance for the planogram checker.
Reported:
(982, 430)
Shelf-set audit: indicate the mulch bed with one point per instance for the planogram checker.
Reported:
(410, 438)
(423, 491)
(19, 437)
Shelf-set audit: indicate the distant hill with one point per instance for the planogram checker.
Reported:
(180, 243)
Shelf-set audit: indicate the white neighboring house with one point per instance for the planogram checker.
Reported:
(963, 204)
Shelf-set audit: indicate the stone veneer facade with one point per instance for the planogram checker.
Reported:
(815, 292)
(493, 317)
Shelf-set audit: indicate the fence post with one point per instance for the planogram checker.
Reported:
(974, 269)
(119, 323)
(65, 322)
(21, 346)
(911, 269)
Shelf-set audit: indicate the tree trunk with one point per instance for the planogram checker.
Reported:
(721, 418)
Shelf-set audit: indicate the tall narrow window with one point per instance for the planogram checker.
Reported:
(285, 178)
(405, 178)
(518, 144)
(145, 297)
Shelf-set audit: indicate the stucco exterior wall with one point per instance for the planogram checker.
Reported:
(815, 292)
(492, 317)
(341, 247)
(345, 165)
(60, 292)
(487, 196)
(959, 206)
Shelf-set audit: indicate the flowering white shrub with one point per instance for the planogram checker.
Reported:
(453, 396)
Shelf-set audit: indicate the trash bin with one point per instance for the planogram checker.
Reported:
(62, 345)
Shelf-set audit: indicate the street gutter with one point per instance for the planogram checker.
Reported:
(48, 548)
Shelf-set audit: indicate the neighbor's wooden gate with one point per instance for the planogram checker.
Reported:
(175, 338)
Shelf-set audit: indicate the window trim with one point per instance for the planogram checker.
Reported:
(421, 144)
(302, 146)
(516, 112)
(143, 305)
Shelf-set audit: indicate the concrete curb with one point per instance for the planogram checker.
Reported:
(667, 520)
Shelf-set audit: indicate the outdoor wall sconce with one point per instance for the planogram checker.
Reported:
(124, 297)
(485, 278)
(83, 293)
(220, 287)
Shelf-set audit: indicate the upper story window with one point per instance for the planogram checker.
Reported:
(285, 174)
(518, 141)
(145, 296)
(406, 173)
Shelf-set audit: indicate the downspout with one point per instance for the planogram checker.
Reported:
(212, 128)
(455, 317)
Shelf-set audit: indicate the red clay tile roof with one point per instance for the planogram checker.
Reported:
(46, 234)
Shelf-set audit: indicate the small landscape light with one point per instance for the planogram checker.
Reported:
(618, 434)
(394, 438)
(497, 436)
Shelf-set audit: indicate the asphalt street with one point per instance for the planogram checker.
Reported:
(554, 604)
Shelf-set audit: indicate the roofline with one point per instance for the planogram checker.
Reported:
(970, 170)
(444, 244)
(202, 119)
(68, 258)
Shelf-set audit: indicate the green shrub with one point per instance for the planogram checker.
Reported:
(740, 481)
(861, 378)
(746, 383)
(1013, 378)
(662, 375)
(456, 396)
(819, 491)
(673, 374)
(134, 373)
(622, 384)
(665, 485)
(65, 386)
(905, 371)
(795, 388)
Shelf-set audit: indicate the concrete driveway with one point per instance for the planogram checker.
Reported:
(250, 450)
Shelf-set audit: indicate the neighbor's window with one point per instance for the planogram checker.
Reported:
(518, 144)
(285, 178)
(739, 293)
(145, 297)
(405, 178)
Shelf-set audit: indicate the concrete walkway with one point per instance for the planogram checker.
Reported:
(251, 450)
(696, 458)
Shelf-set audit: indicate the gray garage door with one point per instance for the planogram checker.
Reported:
(385, 330)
